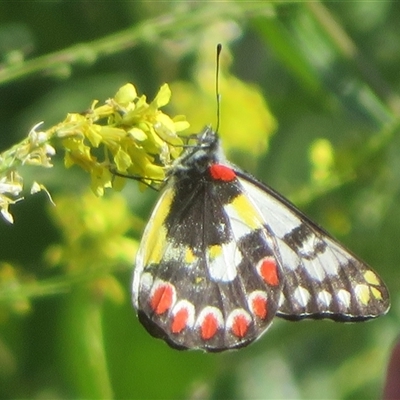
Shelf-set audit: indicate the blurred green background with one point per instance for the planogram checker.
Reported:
(326, 70)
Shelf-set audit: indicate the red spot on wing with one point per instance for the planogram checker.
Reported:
(162, 298)
(259, 306)
(209, 326)
(269, 271)
(222, 173)
(240, 325)
(180, 320)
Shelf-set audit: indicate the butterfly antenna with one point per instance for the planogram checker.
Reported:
(219, 49)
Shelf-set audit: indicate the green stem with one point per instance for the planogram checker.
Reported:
(349, 50)
(148, 31)
(52, 286)
(82, 346)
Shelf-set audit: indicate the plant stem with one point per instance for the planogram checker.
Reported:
(151, 30)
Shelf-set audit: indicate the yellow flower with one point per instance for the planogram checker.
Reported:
(322, 158)
(125, 135)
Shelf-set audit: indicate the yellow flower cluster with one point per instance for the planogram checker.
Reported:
(10, 189)
(126, 136)
(33, 150)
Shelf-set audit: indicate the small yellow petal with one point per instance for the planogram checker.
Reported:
(112, 133)
(101, 178)
(154, 143)
(155, 172)
(122, 160)
(167, 123)
(103, 111)
(138, 134)
(181, 125)
(126, 94)
(163, 96)
(118, 183)
(93, 135)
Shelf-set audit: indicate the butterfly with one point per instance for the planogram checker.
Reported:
(223, 254)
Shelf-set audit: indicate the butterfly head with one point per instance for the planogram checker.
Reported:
(205, 151)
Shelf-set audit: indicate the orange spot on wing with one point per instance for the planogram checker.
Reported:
(162, 299)
(209, 326)
(240, 326)
(260, 307)
(269, 271)
(180, 320)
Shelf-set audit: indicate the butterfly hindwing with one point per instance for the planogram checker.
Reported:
(322, 279)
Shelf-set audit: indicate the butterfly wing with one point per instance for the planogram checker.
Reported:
(205, 275)
(321, 279)
(223, 254)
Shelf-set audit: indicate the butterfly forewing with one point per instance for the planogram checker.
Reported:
(321, 278)
(206, 276)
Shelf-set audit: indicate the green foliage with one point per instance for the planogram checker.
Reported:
(308, 106)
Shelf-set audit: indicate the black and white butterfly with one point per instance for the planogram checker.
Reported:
(223, 254)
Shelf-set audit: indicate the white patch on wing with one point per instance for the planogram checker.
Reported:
(279, 218)
(330, 261)
(325, 298)
(302, 296)
(314, 269)
(146, 281)
(135, 288)
(141, 281)
(344, 297)
(222, 266)
(290, 259)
